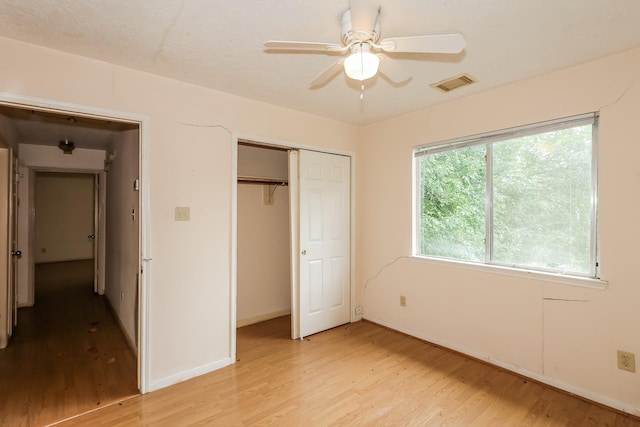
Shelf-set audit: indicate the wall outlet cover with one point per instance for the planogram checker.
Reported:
(626, 361)
(183, 213)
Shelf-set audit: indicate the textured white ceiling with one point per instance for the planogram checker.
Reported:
(218, 44)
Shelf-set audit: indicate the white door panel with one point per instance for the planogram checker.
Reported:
(6, 246)
(13, 235)
(96, 232)
(315, 281)
(325, 267)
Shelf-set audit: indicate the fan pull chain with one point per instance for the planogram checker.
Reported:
(362, 92)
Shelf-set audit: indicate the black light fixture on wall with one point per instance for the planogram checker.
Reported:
(66, 146)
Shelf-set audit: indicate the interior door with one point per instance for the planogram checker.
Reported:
(13, 235)
(325, 241)
(6, 289)
(94, 235)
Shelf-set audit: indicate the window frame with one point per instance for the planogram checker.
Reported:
(488, 139)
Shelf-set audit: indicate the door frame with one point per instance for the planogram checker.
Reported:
(144, 126)
(293, 184)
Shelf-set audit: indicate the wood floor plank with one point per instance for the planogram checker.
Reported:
(67, 355)
(360, 374)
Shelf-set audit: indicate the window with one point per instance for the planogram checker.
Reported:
(523, 197)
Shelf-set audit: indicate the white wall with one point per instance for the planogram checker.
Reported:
(50, 158)
(64, 205)
(563, 334)
(122, 232)
(264, 281)
(190, 165)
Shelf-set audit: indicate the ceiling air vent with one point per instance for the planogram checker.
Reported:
(454, 83)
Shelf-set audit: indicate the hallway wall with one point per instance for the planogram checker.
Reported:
(123, 232)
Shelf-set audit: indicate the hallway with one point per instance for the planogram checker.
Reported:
(68, 355)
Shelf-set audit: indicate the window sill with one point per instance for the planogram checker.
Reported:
(584, 282)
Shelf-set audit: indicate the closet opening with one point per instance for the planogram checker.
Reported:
(264, 291)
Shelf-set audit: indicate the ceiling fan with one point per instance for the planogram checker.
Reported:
(361, 39)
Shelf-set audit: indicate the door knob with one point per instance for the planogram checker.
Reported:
(16, 253)
(304, 252)
(91, 236)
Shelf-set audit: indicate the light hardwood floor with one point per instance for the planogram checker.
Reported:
(358, 374)
(67, 355)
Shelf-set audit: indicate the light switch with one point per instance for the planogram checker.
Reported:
(183, 213)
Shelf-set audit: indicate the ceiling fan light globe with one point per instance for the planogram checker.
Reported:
(361, 65)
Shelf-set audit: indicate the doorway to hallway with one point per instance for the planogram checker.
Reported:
(108, 148)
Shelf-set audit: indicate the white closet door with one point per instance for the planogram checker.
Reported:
(325, 247)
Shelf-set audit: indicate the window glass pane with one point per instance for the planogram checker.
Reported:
(452, 187)
(542, 200)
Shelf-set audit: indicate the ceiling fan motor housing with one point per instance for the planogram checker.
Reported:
(351, 36)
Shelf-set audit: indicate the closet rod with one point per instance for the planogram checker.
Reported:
(257, 180)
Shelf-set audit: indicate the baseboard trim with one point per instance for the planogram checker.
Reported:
(261, 318)
(132, 345)
(552, 382)
(188, 374)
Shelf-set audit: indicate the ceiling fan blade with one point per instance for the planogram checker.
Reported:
(287, 45)
(364, 14)
(327, 75)
(443, 43)
(392, 70)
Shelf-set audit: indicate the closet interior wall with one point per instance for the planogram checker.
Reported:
(264, 280)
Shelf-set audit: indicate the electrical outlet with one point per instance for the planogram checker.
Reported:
(403, 301)
(626, 361)
(359, 310)
(182, 213)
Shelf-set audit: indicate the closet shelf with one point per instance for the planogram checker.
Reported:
(261, 180)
